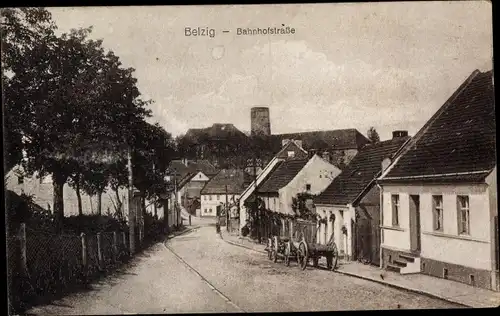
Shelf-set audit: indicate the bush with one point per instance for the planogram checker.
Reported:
(93, 224)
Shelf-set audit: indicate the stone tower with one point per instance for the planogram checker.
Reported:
(260, 121)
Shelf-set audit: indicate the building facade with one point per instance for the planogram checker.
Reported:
(439, 198)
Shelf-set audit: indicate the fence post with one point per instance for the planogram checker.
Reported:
(124, 238)
(84, 249)
(99, 250)
(115, 246)
(22, 243)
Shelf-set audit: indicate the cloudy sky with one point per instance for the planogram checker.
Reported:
(387, 65)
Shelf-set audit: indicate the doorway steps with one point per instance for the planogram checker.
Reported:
(405, 264)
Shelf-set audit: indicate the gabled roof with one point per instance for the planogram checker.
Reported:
(292, 146)
(458, 143)
(333, 139)
(183, 172)
(235, 179)
(282, 174)
(361, 172)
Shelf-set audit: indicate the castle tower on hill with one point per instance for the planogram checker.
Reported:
(260, 121)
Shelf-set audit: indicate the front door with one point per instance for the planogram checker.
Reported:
(415, 223)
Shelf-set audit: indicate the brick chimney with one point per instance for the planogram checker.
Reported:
(398, 134)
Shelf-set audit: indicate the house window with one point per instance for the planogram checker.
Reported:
(291, 154)
(20, 179)
(308, 187)
(206, 211)
(395, 210)
(463, 215)
(218, 197)
(210, 210)
(437, 209)
(205, 197)
(210, 197)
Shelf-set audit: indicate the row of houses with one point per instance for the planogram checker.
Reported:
(422, 204)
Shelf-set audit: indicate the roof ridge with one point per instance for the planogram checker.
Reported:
(449, 102)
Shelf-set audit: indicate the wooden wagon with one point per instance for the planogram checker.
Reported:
(302, 247)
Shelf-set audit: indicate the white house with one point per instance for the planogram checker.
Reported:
(187, 178)
(439, 198)
(352, 201)
(290, 149)
(291, 177)
(223, 189)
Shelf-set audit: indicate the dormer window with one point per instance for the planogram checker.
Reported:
(291, 153)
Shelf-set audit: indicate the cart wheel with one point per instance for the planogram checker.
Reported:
(269, 248)
(303, 255)
(287, 254)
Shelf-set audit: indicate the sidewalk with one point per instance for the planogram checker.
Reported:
(240, 241)
(447, 290)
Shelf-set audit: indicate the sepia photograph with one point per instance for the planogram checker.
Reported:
(249, 158)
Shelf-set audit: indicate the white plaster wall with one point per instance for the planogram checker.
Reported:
(43, 195)
(446, 246)
(317, 172)
(399, 239)
(342, 217)
(217, 199)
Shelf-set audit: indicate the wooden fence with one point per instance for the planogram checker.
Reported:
(42, 264)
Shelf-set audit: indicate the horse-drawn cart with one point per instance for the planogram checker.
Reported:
(302, 247)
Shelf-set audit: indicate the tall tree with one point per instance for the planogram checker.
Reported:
(21, 29)
(373, 135)
(78, 107)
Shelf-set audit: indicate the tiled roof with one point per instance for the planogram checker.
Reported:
(236, 181)
(333, 139)
(283, 173)
(360, 172)
(460, 139)
(184, 173)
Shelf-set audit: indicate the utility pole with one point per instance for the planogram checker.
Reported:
(227, 212)
(131, 203)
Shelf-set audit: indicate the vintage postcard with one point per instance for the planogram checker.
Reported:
(250, 158)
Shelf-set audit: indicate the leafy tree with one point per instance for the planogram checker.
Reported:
(79, 109)
(373, 136)
(21, 29)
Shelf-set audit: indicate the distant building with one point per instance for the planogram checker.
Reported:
(439, 198)
(42, 191)
(291, 171)
(223, 190)
(335, 146)
(190, 177)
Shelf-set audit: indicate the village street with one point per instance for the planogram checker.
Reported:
(226, 278)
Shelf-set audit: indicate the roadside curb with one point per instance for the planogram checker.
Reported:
(401, 287)
(242, 246)
(177, 233)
